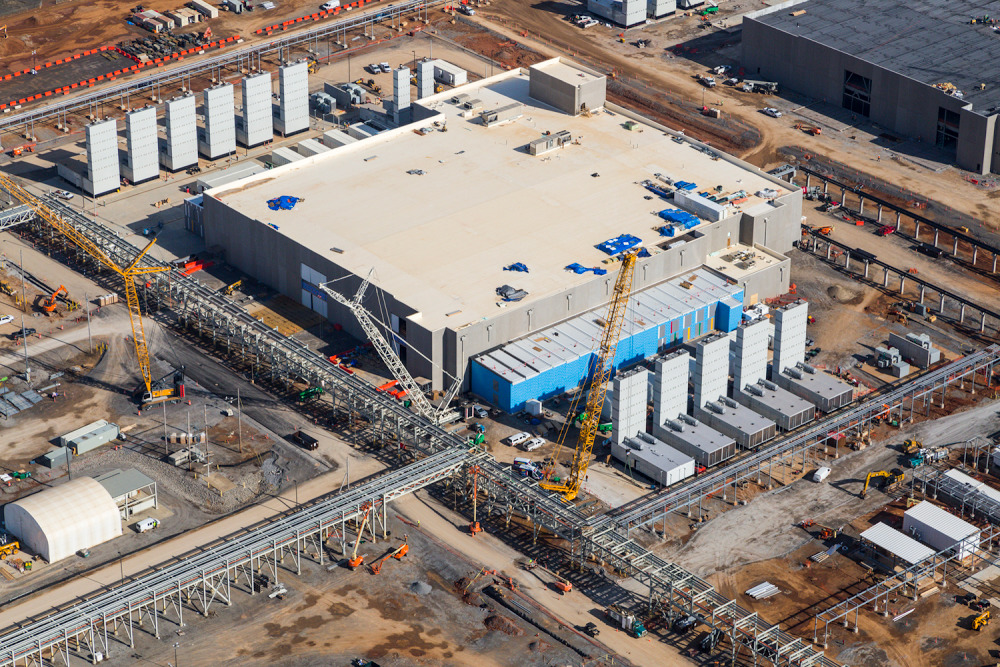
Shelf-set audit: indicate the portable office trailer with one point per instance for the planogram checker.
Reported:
(452, 75)
(64, 440)
(940, 529)
(204, 8)
(96, 438)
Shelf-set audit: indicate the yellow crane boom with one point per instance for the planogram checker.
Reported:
(128, 273)
(600, 373)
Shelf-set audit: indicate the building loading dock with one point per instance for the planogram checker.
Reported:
(440, 262)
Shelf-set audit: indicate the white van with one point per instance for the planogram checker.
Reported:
(821, 474)
(533, 444)
(517, 439)
(146, 525)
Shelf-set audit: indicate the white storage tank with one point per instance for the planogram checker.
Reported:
(940, 529)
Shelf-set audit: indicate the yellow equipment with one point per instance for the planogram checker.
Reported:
(4, 28)
(981, 621)
(892, 480)
(911, 446)
(601, 371)
(8, 548)
(313, 65)
(128, 273)
(229, 289)
(355, 561)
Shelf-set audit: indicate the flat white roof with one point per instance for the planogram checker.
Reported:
(439, 241)
(898, 544)
(941, 520)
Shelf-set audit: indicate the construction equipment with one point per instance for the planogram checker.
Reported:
(562, 586)
(8, 546)
(306, 394)
(825, 532)
(128, 273)
(892, 480)
(313, 65)
(370, 85)
(474, 527)
(924, 455)
(981, 621)
(49, 305)
(4, 28)
(19, 150)
(600, 373)
(627, 622)
(825, 231)
(355, 561)
(911, 446)
(232, 287)
(814, 130)
(396, 553)
(21, 474)
(419, 401)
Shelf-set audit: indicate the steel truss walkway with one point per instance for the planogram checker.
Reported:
(210, 575)
(15, 216)
(654, 507)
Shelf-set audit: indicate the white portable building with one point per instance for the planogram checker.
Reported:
(452, 75)
(940, 529)
(59, 521)
(897, 544)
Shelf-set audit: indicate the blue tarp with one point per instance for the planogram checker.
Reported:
(619, 244)
(284, 203)
(685, 185)
(578, 268)
(643, 253)
(657, 191)
(518, 266)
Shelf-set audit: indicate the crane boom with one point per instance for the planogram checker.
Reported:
(128, 273)
(600, 373)
(392, 361)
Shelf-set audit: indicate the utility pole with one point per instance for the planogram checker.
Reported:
(239, 418)
(24, 342)
(86, 301)
(24, 303)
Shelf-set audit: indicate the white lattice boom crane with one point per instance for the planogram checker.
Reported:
(418, 400)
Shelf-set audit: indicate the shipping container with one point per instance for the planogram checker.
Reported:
(64, 440)
(90, 441)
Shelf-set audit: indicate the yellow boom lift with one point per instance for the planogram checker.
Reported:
(153, 394)
(601, 372)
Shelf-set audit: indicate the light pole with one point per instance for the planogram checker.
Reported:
(121, 565)
(176, 645)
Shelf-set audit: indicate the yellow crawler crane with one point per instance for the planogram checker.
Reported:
(600, 373)
(128, 273)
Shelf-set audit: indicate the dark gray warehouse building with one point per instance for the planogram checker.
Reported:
(919, 68)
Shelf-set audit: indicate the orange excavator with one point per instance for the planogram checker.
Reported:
(355, 560)
(396, 553)
(49, 304)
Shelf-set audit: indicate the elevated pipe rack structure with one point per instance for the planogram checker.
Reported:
(815, 245)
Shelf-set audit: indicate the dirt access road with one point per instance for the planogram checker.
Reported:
(659, 69)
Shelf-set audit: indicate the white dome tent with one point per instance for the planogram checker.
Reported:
(58, 522)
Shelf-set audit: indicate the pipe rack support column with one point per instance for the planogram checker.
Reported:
(829, 251)
(861, 205)
(961, 314)
(885, 278)
(847, 260)
(941, 305)
(826, 187)
(954, 246)
(994, 262)
(922, 291)
(808, 180)
(866, 269)
(916, 230)
(937, 233)
(975, 254)
(879, 216)
(902, 283)
(982, 323)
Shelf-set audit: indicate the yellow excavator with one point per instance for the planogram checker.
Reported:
(981, 621)
(892, 480)
(601, 372)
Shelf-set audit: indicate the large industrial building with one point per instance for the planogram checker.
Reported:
(528, 170)
(918, 69)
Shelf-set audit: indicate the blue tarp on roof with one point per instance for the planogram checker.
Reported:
(619, 244)
(517, 266)
(578, 268)
(284, 203)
